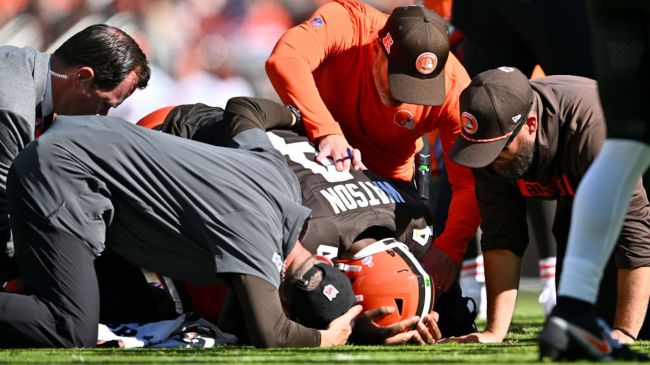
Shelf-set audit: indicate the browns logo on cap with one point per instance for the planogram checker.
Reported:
(426, 63)
(501, 100)
(470, 126)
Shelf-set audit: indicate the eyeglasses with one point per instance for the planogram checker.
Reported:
(59, 76)
(518, 128)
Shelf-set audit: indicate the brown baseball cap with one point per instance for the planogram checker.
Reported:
(494, 107)
(416, 42)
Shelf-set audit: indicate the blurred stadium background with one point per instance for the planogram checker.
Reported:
(201, 50)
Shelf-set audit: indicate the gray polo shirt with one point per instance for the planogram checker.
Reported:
(179, 207)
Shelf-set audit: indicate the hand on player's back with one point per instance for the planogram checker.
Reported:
(336, 147)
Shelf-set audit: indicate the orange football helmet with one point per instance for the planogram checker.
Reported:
(385, 273)
(155, 118)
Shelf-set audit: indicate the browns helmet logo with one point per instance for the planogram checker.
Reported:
(470, 126)
(404, 119)
(367, 261)
(426, 63)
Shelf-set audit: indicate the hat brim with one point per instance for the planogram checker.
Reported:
(476, 154)
(414, 90)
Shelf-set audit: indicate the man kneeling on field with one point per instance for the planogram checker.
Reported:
(187, 210)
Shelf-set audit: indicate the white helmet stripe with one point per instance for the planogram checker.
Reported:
(417, 267)
(379, 246)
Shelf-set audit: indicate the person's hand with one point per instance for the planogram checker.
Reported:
(410, 330)
(367, 331)
(339, 330)
(476, 337)
(442, 269)
(338, 149)
(426, 332)
(428, 328)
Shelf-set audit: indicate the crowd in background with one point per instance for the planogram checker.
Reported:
(200, 50)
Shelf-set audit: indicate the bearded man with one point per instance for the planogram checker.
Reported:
(530, 140)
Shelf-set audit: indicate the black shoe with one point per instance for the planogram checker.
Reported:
(457, 313)
(563, 340)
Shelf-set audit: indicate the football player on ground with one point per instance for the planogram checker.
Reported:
(349, 209)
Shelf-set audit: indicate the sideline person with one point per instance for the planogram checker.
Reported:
(620, 30)
(91, 72)
(373, 85)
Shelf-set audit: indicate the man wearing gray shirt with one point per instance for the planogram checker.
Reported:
(187, 210)
(91, 72)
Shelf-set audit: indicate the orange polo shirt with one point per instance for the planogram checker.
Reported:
(324, 68)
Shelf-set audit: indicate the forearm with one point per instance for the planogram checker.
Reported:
(462, 222)
(302, 93)
(217, 126)
(464, 216)
(244, 113)
(501, 280)
(291, 75)
(266, 323)
(632, 299)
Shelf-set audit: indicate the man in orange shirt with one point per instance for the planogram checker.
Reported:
(377, 83)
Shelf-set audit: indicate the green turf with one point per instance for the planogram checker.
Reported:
(519, 347)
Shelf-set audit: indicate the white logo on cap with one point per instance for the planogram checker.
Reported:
(506, 69)
(470, 125)
(426, 63)
(330, 292)
(516, 118)
(387, 41)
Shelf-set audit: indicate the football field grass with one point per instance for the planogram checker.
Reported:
(519, 347)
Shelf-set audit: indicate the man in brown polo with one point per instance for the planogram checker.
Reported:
(535, 140)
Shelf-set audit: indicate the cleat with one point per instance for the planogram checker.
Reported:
(563, 340)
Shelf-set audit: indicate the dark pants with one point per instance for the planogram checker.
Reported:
(523, 33)
(57, 270)
(456, 317)
(623, 71)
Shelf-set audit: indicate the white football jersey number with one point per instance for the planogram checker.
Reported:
(330, 252)
(297, 152)
(422, 236)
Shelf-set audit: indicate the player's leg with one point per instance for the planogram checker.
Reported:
(540, 218)
(621, 58)
(596, 223)
(489, 39)
(57, 270)
(472, 275)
